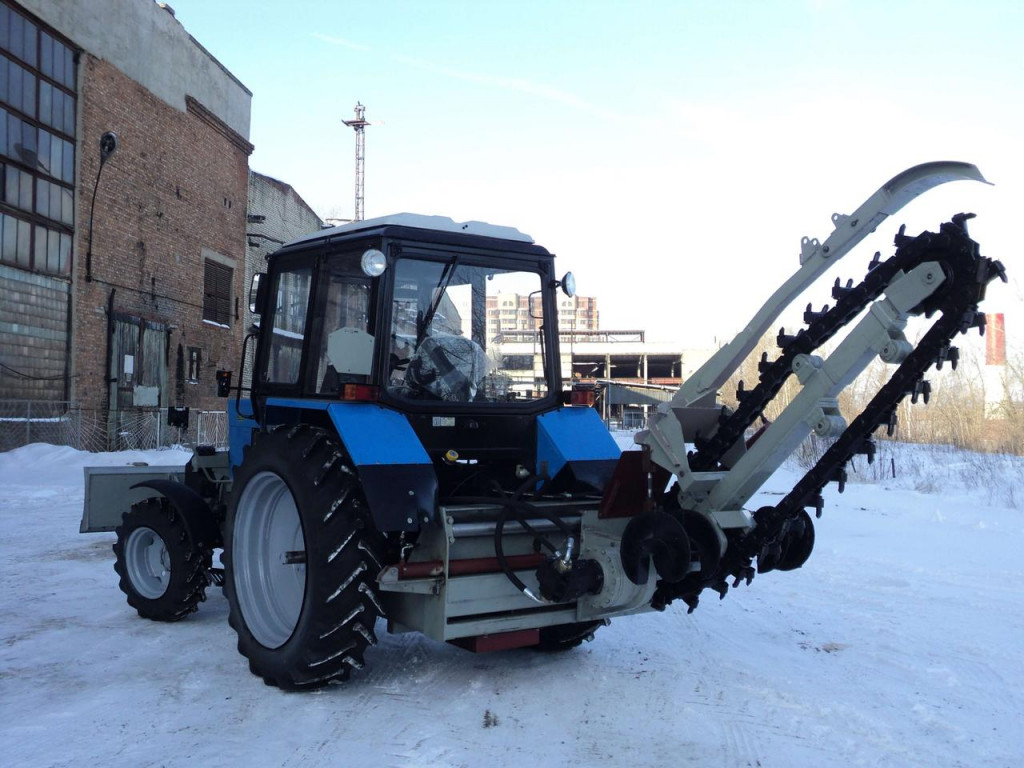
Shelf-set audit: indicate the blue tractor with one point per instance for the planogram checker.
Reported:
(395, 458)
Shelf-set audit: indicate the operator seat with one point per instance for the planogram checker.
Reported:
(448, 367)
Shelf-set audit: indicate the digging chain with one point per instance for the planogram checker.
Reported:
(967, 274)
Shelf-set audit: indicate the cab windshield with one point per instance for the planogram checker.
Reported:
(464, 333)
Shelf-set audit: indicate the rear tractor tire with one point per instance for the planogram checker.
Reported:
(301, 557)
(163, 572)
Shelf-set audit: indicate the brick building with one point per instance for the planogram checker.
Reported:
(134, 297)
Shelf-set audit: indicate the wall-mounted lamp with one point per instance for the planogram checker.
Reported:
(108, 146)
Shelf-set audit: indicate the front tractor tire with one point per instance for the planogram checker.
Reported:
(301, 559)
(164, 574)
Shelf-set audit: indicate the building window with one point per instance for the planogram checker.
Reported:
(217, 293)
(37, 145)
(195, 360)
(517, 362)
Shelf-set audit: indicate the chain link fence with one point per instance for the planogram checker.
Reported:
(59, 423)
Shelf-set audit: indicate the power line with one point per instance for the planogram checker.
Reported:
(30, 377)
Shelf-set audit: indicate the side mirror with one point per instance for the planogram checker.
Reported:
(257, 292)
(532, 302)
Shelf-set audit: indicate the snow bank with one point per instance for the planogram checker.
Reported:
(40, 464)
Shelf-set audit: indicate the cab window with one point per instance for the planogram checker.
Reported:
(346, 340)
(288, 326)
(448, 333)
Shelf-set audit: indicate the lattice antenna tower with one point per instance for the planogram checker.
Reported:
(359, 126)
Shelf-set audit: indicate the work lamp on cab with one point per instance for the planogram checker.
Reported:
(373, 263)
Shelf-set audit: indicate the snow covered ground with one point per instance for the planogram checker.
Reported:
(900, 643)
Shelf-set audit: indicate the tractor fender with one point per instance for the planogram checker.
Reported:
(574, 439)
(397, 476)
(195, 512)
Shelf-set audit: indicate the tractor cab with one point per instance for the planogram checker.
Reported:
(451, 324)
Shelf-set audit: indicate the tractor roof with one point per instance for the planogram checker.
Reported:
(417, 221)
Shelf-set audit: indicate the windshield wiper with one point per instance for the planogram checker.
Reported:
(425, 319)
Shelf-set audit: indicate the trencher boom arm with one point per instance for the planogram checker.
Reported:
(815, 258)
(934, 272)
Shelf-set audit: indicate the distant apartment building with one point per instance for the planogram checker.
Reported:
(122, 271)
(513, 312)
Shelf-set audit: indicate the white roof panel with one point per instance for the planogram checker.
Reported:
(420, 221)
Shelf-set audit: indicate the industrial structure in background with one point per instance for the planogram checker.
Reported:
(358, 124)
(998, 393)
(630, 373)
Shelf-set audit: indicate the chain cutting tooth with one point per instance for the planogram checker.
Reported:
(817, 502)
(741, 392)
(867, 447)
(839, 476)
(784, 339)
(723, 415)
(743, 575)
(996, 267)
(890, 424)
(810, 316)
(922, 389)
(972, 319)
(840, 291)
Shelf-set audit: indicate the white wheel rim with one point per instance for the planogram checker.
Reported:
(148, 563)
(269, 591)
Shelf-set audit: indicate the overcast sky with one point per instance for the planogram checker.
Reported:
(672, 154)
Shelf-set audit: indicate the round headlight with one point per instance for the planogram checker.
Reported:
(569, 284)
(374, 263)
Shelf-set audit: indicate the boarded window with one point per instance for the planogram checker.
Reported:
(217, 293)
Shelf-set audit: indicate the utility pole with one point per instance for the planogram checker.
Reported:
(359, 125)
